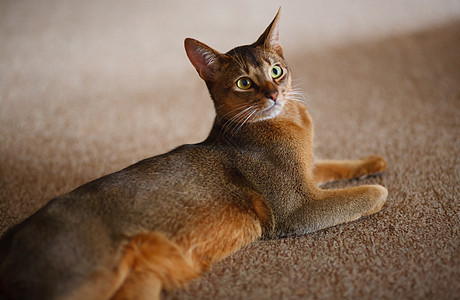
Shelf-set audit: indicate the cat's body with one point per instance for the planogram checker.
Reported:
(162, 221)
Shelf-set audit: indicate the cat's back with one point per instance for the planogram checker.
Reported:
(153, 194)
(156, 193)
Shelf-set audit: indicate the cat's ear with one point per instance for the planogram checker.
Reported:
(206, 60)
(270, 39)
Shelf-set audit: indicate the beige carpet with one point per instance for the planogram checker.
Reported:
(89, 87)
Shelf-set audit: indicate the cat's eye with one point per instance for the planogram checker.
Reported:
(276, 72)
(244, 83)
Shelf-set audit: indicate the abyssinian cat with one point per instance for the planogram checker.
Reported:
(163, 220)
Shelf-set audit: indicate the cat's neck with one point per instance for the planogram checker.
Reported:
(285, 140)
(293, 124)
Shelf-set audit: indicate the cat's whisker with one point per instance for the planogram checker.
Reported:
(245, 121)
(297, 90)
(239, 115)
(302, 93)
(234, 121)
(233, 110)
(294, 96)
(297, 82)
(241, 120)
(296, 87)
(297, 95)
(243, 115)
(295, 99)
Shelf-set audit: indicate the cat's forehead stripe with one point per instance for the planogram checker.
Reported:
(258, 58)
(267, 60)
(254, 60)
(250, 55)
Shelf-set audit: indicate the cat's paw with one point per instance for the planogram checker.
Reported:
(379, 197)
(373, 164)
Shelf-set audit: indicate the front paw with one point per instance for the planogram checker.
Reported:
(378, 198)
(374, 164)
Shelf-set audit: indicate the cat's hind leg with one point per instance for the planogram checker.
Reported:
(332, 170)
(152, 261)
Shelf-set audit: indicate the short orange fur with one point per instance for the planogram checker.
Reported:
(163, 221)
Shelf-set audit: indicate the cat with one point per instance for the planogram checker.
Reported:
(164, 220)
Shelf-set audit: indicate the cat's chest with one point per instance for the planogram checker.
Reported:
(284, 160)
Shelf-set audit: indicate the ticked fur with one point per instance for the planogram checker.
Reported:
(161, 222)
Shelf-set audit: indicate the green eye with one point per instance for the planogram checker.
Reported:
(244, 83)
(276, 71)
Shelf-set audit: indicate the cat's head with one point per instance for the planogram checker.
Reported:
(248, 83)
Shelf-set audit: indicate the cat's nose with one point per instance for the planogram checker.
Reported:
(272, 95)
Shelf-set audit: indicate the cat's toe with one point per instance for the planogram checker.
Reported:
(374, 164)
(380, 197)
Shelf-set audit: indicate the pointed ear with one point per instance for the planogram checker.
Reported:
(206, 60)
(270, 38)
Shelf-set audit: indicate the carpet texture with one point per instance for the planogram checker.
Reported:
(87, 88)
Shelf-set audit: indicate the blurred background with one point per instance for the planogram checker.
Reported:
(75, 61)
(131, 37)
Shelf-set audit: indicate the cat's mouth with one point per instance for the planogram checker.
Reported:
(271, 109)
(270, 106)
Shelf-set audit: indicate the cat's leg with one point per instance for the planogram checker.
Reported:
(153, 261)
(333, 207)
(332, 170)
(140, 287)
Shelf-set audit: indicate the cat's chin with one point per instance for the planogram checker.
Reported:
(271, 112)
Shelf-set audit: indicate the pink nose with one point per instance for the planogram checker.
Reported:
(272, 95)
